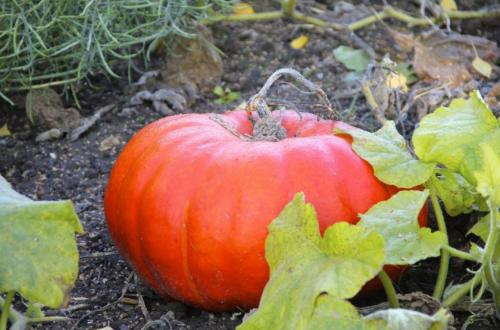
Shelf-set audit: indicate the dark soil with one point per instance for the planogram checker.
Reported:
(106, 292)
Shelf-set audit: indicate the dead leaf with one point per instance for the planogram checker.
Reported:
(194, 62)
(384, 90)
(396, 81)
(45, 108)
(446, 57)
(448, 5)
(299, 42)
(109, 143)
(243, 8)
(4, 131)
(482, 66)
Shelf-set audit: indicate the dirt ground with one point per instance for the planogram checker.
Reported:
(107, 292)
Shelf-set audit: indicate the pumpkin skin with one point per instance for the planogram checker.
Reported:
(188, 202)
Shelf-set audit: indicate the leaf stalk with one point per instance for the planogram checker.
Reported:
(445, 255)
(390, 291)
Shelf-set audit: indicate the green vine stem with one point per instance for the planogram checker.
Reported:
(445, 255)
(389, 289)
(462, 291)
(459, 253)
(491, 243)
(6, 310)
(288, 9)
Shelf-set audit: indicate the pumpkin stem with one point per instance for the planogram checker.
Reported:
(266, 127)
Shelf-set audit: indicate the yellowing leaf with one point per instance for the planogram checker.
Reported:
(482, 66)
(304, 266)
(488, 176)
(299, 42)
(396, 81)
(448, 5)
(4, 131)
(243, 8)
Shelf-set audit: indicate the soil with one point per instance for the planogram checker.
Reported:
(107, 294)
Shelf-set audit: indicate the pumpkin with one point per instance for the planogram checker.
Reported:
(190, 198)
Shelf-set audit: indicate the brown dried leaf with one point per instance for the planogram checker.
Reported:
(446, 57)
(45, 108)
(195, 62)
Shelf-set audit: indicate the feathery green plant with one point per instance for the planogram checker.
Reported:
(56, 42)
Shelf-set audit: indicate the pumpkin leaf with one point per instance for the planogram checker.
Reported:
(353, 59)
(333, 313)
(397, 318)
(342, 261)
(299, 42)
(488, 175)
(39, 256)
(457, 194)
(397, 221)
(482, 228)
(387, 153)
(451, 135)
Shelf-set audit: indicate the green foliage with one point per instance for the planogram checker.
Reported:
(225, 96)
(39, 258)
(354, 59)
(311, 276)
(342, 262)
(451, 135)
(396, 220)
(387, 152)
(54, 42)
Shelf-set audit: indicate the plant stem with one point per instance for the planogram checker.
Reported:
(462, 291)
(268, 15)
(288, 7)
(459, 253)
(6, 310)
(390, 292)
(445, 255)
(490, 246)
(288, 10)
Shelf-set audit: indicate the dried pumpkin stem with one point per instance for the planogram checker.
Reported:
(257, 102)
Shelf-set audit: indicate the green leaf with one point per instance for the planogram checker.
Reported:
(450, 135)
(488, 174)
(342, 262)
(39, 256)
(387, 152)
(219, 91)
(397, 221)
(457, 194)
(232, 96)
(333, 313)
(406, 69)
(353, 59)
(397, 319)
(482, 228)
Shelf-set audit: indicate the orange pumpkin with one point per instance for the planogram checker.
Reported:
(189, 201)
